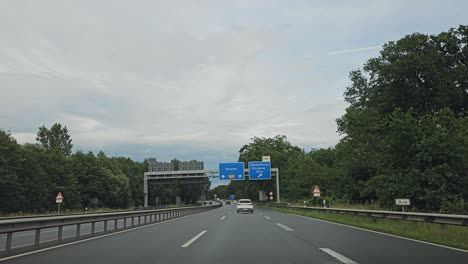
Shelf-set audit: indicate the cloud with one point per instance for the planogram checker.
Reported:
(345, 51)
(168, 79)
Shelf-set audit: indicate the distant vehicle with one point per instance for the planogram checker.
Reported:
(234, 202)
(228, 202)
(245, 205)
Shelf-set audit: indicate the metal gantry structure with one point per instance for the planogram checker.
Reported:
(193, 174)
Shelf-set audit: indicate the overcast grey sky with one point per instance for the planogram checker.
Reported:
(193, 79)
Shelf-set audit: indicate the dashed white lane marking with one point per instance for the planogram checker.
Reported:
(284, 227)
(267, 217)
(338, 256)
(188, 243)
(222, 218)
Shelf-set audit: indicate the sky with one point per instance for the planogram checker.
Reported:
(193, 79)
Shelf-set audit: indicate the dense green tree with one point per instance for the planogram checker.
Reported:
(11, 189)
(404, 131)
(35, 181)
(55, 138)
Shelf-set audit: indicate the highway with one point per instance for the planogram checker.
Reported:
(222, 236)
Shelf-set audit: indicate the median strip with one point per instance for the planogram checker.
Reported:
(338, 256)
(188, 243)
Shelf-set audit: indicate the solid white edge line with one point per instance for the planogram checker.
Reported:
(284, 227)
(381, 233)
(338, 256)
(92, 238)
(188, 243)
(267, 217)
(222, 218)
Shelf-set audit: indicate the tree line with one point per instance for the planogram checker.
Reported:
(31, 175)
(404, 134)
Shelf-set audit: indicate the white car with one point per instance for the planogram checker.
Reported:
(245, 205)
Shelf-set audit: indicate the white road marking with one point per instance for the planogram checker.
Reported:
(193, 239)
(222, 218)
(284, 227)
(230, 212)
(267, 217)
(92, 238)
(338, 256)
(260, 213)
(385, 234)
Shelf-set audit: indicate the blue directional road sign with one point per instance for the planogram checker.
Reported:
(259, 170)
(232, 196)
(231, 171)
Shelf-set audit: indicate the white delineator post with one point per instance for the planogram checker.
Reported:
(277, 187)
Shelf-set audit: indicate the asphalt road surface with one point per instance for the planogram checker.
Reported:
(223, 236)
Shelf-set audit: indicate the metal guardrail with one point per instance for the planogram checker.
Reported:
(450, 219)
(36, 224)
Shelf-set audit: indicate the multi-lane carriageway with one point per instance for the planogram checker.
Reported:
(223, 236)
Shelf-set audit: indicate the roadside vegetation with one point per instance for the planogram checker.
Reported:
(31, 175)
(448, 235)
(404, 134)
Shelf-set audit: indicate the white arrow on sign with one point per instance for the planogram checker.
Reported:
(260, 175)
(240, 176)
(222, 176)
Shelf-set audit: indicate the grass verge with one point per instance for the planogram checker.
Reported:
(448, 235)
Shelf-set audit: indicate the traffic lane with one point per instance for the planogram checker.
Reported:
(227, 241)
(364, 246)
(251, 238)
(160, 243)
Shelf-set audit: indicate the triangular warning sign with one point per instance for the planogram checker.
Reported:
(316, 189)
(59, 196)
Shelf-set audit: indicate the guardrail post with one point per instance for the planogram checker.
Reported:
(37, 237)
(115, 224)
(93, 227)
(105, 226)
(78, 229)
(9, 239)
(60, 233)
